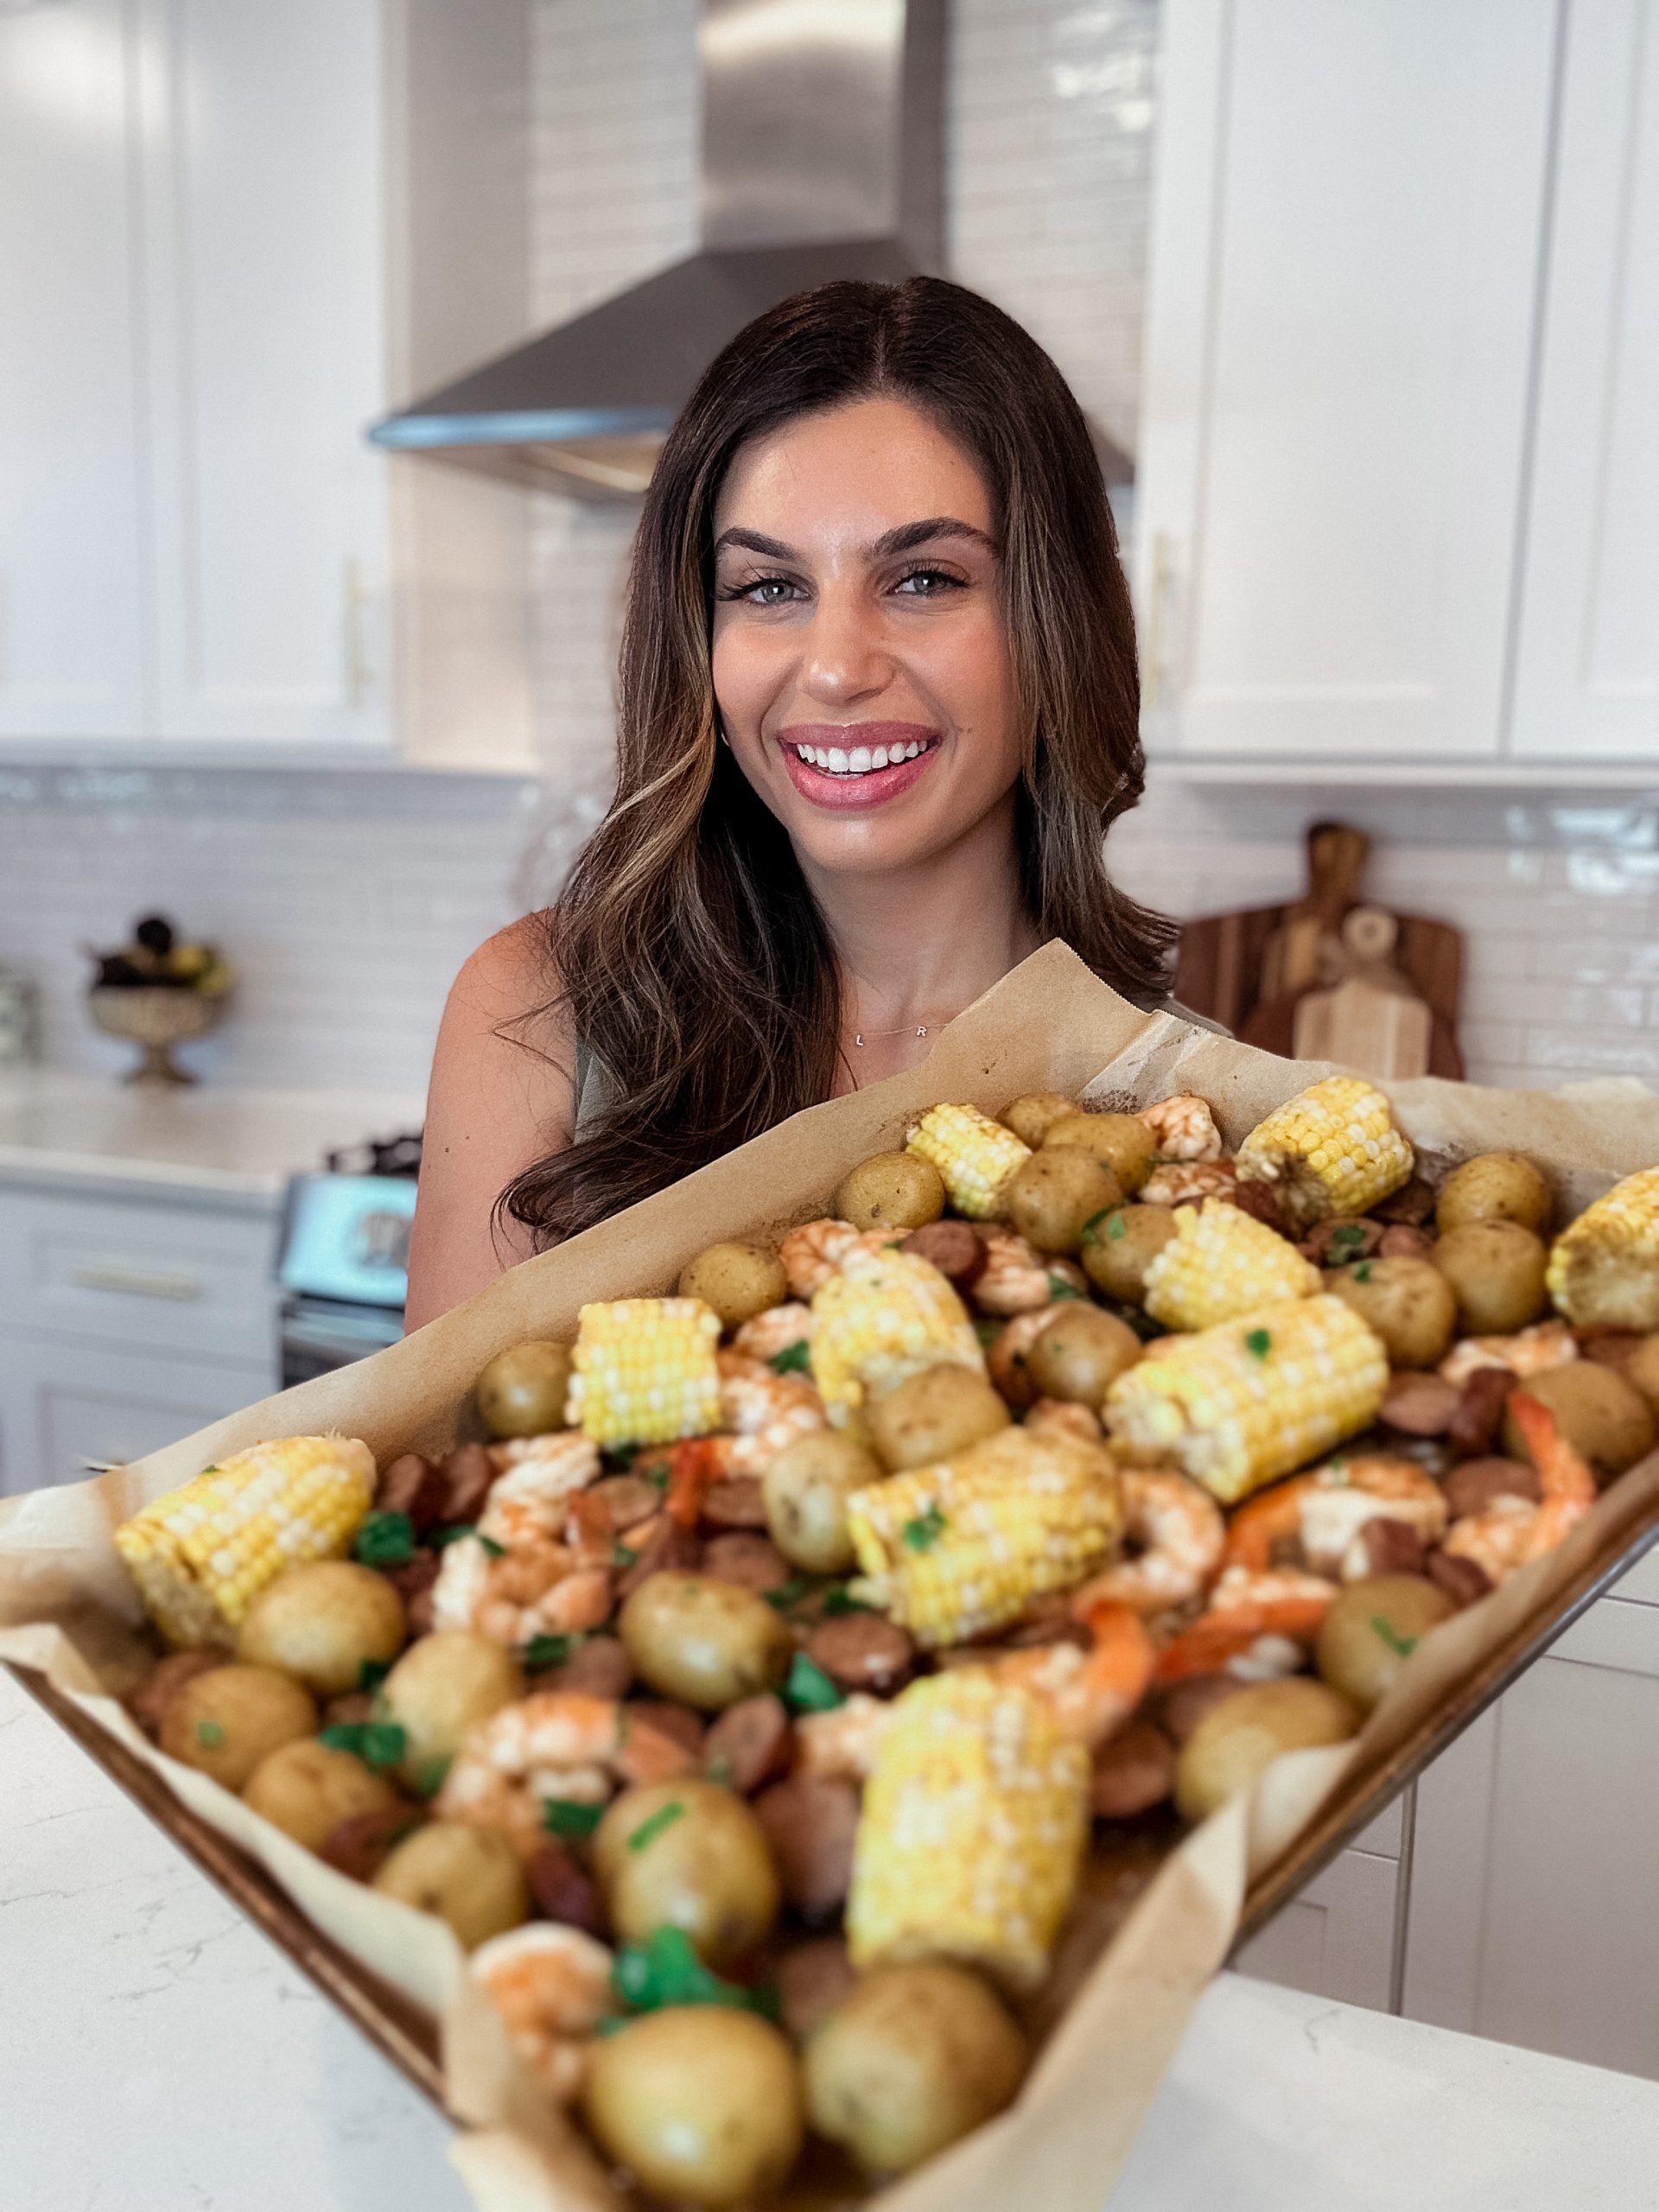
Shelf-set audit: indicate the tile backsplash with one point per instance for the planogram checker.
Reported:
(348, 902)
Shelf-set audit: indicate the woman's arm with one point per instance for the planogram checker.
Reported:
(498, 1100)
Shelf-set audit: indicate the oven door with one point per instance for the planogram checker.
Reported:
(319, 1334)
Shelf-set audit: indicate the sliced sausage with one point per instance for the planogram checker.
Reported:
(416, 1485)
(734, 1501)
(955, 1247)
(1479, 1412)
(1343, 1237)
(157, 1691)
(1418, 1405)
(748, 1744)
(468, 1473)
(1401, 1241)
(659, 1545)
(862, 1651)
(350, 1711)
(599, 1668)
(564, 1891)
(753, 1562)
(677, 1722)
(1464, 1581)
(810, 1822)
(1261, 1202)
(1413, 1204)
(413, 1582)
(1185, 1704)
(1391, 1547)
(625, 1500)
(812, 1978)
(1132, 1772)
(1471, 1487)
(358, 1847)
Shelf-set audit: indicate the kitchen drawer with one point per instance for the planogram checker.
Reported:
(140, 1275)
(1336, 1938)
(63, 1404)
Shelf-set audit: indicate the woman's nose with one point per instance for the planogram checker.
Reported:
(846, 655)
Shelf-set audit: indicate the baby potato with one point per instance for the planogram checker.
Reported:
(225, 1721)
(1120, 1141)
(320, 1621)
(307, 1789)
(739, 1280)
(704, 1642)
(1496, 1269)
(1409, 1303)
(522, 1392)
(443, 1684)
(1034, 1112)
(914, 2058)
(703, 2104)
(1118, 1252)
(1372, 1629)
(469, 1876)
(805, 1491)
(1494, 1186)
(1052, 1197)
(1238, 1738)
(891, 1190)
(691, 1855)
(1641, 1367)
(1080, 1352)
(932, 1415)
(1600, 1412)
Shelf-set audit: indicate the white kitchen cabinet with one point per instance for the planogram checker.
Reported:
(1588, 638)
(1534, 1913)
(1348, 219)
(1339, 1937)
(66, 1408)
(72, 642)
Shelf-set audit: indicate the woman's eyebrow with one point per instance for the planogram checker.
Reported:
(903, 539)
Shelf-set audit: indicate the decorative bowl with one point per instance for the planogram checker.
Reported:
(157, 1017)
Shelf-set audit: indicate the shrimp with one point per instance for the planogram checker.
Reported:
(1186, 1182)
(537, 1587)
(813, 1252)
(840, 1745)
(1178, 1532)
(766, 1412)
(1512, 1532)
(561, 1743)
(1530, 1352)
(1183, 1127)
(780, 1328)
(1325, 1512)
(552, 1986)
(1249, 1609)
(1062, 1417)
(1005, 1358)
(531, 1500)
(1017, 1278)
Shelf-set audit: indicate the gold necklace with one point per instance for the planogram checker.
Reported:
(905, 1029)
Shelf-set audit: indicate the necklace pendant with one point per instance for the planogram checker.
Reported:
(857, 1039)
(922, 1031)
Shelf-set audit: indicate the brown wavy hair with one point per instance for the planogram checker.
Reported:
(692, 960)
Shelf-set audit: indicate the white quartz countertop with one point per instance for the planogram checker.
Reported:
(218, 1144)
(156, 2054)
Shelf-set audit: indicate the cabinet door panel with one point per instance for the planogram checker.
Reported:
(64, 1405)
(1336, 1938)
(71, 660)
(1587, 674)
(263, 178)
(1347, 227)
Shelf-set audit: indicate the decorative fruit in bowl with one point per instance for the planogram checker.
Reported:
(159, 991)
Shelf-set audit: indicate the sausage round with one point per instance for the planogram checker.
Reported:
(862, 1651)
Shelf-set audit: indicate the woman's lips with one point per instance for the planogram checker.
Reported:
(846, 789)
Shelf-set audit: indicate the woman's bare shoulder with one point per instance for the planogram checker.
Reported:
(502, 1095)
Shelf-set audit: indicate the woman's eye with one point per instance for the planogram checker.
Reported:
(768, 591)
(929, 583)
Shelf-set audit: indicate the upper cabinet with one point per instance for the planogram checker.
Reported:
(1400, 468)
(218, 249)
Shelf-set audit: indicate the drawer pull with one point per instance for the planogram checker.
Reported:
(132, 1282)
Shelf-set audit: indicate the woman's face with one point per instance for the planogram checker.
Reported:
(861, 657)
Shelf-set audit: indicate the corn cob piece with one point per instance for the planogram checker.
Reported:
(1333, 1149)
(957, 1548)
(975, 1154)
(1240, 1404)
(645, 1371)
(201, 1555)
(1603, 1267)
(884, 1316)
(1219, 1263)
(973, 1830)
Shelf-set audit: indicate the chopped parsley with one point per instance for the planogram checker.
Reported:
(793, 1359)
(1362, 1272)
(656, 1474)
(1059, 1287)
(664, 1970)
(1115, 1224)
(838, 1599)
(456, 1533)
(386, 1540)
(544, 1651)
(431, 1774)
(209, 1734)
(1258, 1344)
(1344, 1238)
(372, 1673)
(567, 1816)
(1404, 1645)
(787, 1593)
(376, 1743)
(986, 1331)
(807, 1688)
(924, 1531)
(652, 1826)
(623, 1556)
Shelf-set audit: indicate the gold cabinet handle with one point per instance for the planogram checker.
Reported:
(134, 1282)
(1165, 573)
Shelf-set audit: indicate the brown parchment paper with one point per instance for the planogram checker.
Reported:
(67, 1610)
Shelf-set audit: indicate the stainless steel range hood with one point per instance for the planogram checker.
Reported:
(822, 157)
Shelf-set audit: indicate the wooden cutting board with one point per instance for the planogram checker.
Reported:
(1251, 969)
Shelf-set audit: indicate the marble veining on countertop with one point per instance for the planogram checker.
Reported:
(216, 1144)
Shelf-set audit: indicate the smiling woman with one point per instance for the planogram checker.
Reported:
(878, 707)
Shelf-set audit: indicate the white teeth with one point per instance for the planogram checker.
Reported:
(837, 762)
(879, 757)
(861, 762)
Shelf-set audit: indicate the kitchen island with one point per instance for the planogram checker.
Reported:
(155, 2054)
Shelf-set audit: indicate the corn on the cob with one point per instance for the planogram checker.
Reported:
(975, 1154)
(884, 1316)
(1334, 1149)
(644, 1371)
(973, 1830)
(1603, 1269)
(953, 1550)
(1240, 1404)
(1219, 1263)
(201, 1555)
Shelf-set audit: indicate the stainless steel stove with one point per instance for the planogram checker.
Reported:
(344, 1262)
